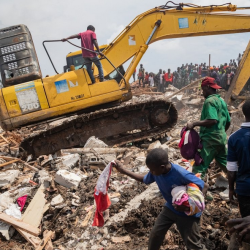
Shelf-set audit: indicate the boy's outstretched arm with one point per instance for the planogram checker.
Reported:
(122, 170)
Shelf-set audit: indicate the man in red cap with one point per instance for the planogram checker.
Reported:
(215, 121)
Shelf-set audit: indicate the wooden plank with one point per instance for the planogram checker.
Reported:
(45, 240)
(88, 217)
(35, 241)
(34, 212)
(17, 159)
(49, 245)
(20, 224)
(4, 139)
(90, 150)
(7, 163)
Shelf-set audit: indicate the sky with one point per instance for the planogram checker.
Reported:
(56, 19)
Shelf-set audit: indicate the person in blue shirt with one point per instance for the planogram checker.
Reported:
(238, 163)
(167, 176)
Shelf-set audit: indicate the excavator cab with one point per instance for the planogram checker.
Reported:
(76, 59)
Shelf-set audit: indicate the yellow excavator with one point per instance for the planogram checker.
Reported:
(92, 109)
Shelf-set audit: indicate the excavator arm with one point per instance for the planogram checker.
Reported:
(174, 23)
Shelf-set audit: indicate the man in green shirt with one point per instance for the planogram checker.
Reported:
(215, 121)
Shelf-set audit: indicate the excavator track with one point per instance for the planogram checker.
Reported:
(126, 123)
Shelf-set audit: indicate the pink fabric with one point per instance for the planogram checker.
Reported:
(87, 38)
(21, 201)
(182, 200)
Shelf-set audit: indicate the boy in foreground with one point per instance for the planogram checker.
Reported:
(167, 176)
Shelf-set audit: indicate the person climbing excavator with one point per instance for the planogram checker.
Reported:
(28, 99)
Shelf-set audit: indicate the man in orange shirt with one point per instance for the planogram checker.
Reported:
(168, 78)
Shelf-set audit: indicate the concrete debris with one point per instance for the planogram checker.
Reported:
(57, 200)
(224, 195)
(67, 179)
(94, 142)
(221, 182)
(154, 145)
(44, 177)
(5, 229)
(68, 161)
(8, 177)
(60, 188)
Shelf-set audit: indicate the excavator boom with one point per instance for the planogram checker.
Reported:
(188, 22)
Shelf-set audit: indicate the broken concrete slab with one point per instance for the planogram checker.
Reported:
(67, 179)
(221, 182)
(94, 142)
(154, 145)
(57, 200)
(8, 177)
(68, 161)
(224, 195)
(44, 177)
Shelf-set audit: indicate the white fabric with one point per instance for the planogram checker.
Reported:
(245, 124)
(232, 166)
(186, 137)
(161, 78)
(102, 180)
(151, 81)
(177, 193)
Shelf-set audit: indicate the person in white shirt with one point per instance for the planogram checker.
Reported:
(151, 80)
(239, 58)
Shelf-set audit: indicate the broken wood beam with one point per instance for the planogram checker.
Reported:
(90, 150)
(184, 88)
(17, 159)
(4, 139)
(35, 241)
(20, 224)
(87, 218)
(7, 163)
(49, 245)
(45, 240)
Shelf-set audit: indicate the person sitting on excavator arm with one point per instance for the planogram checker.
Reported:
(88, 41)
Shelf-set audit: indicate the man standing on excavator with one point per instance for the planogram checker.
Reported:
(88, 41)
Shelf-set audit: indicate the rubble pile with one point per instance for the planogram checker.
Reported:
(48, 203)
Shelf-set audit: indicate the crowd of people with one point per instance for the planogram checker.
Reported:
(185, 74)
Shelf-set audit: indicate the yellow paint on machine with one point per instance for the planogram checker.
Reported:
(41, 115)
(16, 100)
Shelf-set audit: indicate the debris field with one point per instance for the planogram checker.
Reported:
(48, 203)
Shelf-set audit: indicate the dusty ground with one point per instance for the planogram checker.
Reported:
(66, 221)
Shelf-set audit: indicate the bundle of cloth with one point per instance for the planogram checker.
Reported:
(189, 196)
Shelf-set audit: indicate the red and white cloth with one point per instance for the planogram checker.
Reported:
(101, 195)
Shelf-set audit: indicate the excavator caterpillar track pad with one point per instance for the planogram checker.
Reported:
(123, 124)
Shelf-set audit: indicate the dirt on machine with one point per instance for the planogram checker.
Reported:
(128, 122)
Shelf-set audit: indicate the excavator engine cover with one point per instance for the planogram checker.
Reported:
(18, 59)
